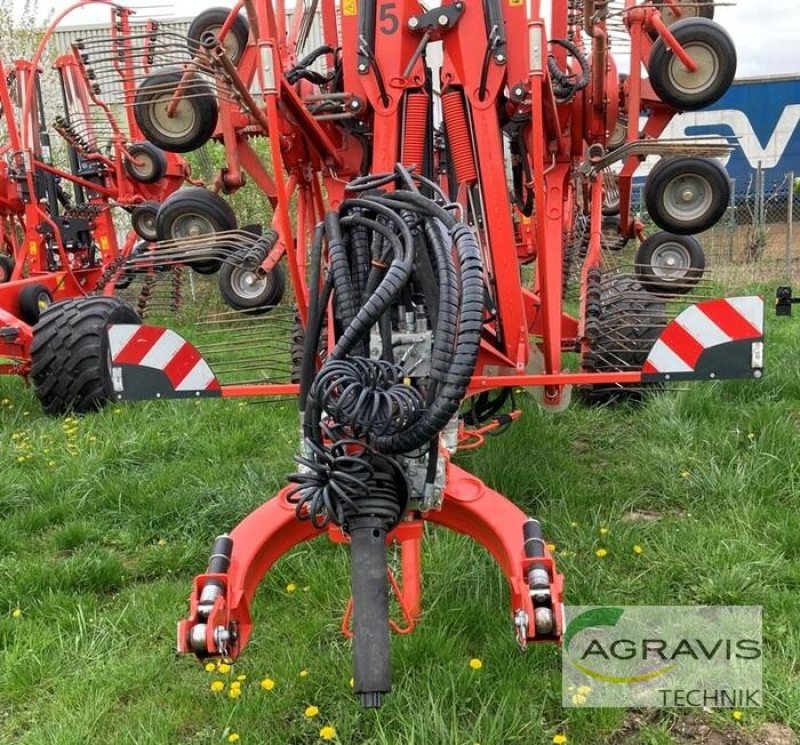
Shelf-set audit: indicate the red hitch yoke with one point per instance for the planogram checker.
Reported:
(266, 534)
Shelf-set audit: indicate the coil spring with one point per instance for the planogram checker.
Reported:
(458, 137)
(109, 272)
(575, 17)
(177, 288)
(67, 131)
(415, 130)
(367, 396)
(145, 295)
(346, 479)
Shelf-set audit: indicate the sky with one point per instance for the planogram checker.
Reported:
(765, 33)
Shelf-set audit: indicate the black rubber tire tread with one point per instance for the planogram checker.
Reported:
(687, 32)
(156, 157)
(142, 212)
(69, 353)
(199, 96)
(6, 267)
(666, 171)
(28, 300)
(212, 18)
(272, 295)
(298, 343)
(631, 321)
(650, 279)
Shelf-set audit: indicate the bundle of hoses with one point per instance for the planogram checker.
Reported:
(384, 249)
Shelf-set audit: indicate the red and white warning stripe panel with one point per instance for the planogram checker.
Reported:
(714, 339)
(150, 362)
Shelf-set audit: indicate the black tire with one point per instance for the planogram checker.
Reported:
(670, 264)
(143, 220)
(195, 117)
(193, 212)
(631, 321)
(210, 22)
(147, 163)
(71, 371)
(695, 9)
(33, 300)
(687, 195)
(250, 290)
(714, 51)
(6, 268)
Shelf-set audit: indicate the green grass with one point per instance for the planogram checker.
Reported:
(105, 520)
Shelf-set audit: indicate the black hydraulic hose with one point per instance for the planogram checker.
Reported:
(314, 320)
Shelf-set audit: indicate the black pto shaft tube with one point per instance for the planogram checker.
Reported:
(372, 673)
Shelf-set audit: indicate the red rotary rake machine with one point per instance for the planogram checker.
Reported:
(439, 177)
(61, 243)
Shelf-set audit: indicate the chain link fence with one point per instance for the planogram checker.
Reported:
(758, 239)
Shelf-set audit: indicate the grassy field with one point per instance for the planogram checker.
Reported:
(106, 519)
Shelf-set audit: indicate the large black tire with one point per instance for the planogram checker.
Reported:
(33, 300)
(687, 195)
(195, 116)
(143, 220)
(193, 212)
(147, 163)
(713, 50)
(6, 268)
(694, 9)
(210, 22)
(71, 370)
(670, 264)
(630, 323)
(250, 289)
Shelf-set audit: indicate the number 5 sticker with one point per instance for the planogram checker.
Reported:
(389, 22)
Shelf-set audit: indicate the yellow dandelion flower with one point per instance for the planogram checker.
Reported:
(603, 531)
(601, 553)
(240, 678)
(475, 663)
(751, 435)
(584, 690)
(268, 684)
(5, 402)
(236, 684)
(551, 547)
(234, 692)
(224, 667)
(738, 715)
(304, 673)
(16, 613)
(162, 541)
(291, 587)
(685, 474)
(217, 686)
(20, 459)
(210, 667)
(233, 737)
(578, 699)
(328, 732)
(311, 711)
(637, 549)
(559, 739)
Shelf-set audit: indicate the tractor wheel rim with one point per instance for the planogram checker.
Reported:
(176, 126)
(191, 225)
(671, 261)
(231, 43)
(42, 301)
(688, 197)
(143, 165)
(708, 69)
(669, 16)
(249, 285)
(147, 224)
